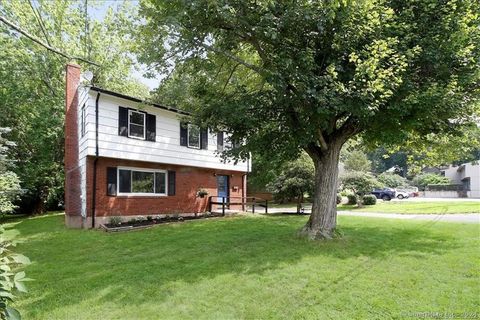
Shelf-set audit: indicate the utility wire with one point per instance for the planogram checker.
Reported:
(38, 17)
(43, 44)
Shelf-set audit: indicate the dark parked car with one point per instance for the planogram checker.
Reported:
(386, 194)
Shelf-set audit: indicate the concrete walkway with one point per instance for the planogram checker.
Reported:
(458, 217)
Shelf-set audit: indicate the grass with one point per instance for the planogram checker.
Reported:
(250, 267)
(404, 207)
(418, 207)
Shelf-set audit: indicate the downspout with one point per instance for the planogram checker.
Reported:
(94, 189)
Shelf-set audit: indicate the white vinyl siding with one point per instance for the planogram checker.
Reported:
(166, 149)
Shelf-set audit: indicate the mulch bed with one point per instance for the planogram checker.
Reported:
(147, 223)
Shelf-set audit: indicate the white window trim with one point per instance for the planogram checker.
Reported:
(136, 194)
(199, 137)
(144, 124)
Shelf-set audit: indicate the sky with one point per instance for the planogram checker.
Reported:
(98, 13)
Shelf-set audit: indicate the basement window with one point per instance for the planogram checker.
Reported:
(136, 124)
(143, 182)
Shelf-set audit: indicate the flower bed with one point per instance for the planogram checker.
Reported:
(142, 222)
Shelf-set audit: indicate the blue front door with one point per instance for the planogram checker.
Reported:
(222, 188)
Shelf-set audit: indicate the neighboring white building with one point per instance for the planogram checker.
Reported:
(468, 175)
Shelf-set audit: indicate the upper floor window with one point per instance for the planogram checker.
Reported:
(224, 141)
(193, 136)
(136, 124)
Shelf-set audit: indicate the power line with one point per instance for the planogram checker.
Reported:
(43, 44)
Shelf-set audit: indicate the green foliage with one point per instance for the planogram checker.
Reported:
(9, 183)
(339, 198)
(424, 179)
(360, 183)
(32, 83)
(115, 221)
(356, 160)
(384, 159)
(369, 200)
(352, 199)
(309, 75)
(392, 180)
(379, 64)
(11, 279)
(296, 178)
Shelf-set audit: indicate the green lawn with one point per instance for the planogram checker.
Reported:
(250, 267)
(404, 207)
(418, 207)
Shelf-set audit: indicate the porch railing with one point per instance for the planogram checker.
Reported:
(226, 202)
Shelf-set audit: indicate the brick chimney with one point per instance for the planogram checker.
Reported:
(73, 203)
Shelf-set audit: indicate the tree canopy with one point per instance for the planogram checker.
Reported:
(32, 82)
(309, 75)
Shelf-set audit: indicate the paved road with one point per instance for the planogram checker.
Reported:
(459, 217)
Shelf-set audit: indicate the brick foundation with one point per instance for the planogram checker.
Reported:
(185, 200)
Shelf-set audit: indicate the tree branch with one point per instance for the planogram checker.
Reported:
(230, 77)
(43, 44)
(232, 57)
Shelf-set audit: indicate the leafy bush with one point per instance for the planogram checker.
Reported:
(115, 221)
(352, 199)
(10, 280)
(360, 183)
(339, 198)
(296, 178)
(392, 180)
(424, 179)
(9, 182)
(369, 200)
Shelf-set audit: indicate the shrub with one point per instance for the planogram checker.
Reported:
(12, 280)
(360, 183)
(339, 198)
(115, 221)
(369, 200)
(392, 180)
(424, 179)
(352, 199)
(149, 218)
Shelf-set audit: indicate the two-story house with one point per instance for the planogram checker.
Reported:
(126, 158)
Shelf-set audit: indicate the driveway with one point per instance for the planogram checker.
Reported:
(458, 217)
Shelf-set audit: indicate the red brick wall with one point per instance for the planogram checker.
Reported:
(188, 180)
(73, 205)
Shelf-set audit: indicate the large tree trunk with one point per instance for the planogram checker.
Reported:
(323, 219)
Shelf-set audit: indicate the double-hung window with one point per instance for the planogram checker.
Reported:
(132, 181)
(136, 124)
(193, 136)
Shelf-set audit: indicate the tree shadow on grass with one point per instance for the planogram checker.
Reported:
(73, 265)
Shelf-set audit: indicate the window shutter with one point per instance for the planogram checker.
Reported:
(151, 127)
(122, 121)
(183, 134)
(111, 181)
(220, 141)
(171, 183)
(203, 138)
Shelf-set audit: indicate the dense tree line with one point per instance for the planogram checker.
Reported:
(32, 82)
